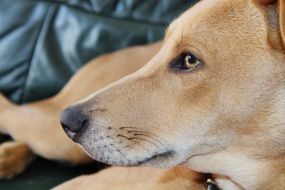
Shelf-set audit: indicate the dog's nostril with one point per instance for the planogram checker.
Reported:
(67, 131)
(65, 127)
(84, 122)
(73, 120)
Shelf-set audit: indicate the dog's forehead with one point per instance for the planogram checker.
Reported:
(210, 23)
(204, 15)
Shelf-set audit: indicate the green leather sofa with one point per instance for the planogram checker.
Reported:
(43, 42)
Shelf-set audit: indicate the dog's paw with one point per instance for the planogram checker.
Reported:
(14, 158)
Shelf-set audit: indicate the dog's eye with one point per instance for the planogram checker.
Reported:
(186, 61)
(190, 61)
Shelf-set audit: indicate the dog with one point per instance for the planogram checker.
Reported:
(212, 98)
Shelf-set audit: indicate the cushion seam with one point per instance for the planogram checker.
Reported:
(30, 58)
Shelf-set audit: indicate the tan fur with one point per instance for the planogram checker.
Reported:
(226, 118)
(137, 178)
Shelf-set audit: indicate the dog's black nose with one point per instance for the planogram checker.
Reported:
(72, 120)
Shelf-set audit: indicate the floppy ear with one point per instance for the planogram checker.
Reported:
(274, 11)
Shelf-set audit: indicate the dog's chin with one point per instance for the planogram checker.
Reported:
(162, 160)
(166, 159)
(159, 159)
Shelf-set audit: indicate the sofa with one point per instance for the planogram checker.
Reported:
(44, 42)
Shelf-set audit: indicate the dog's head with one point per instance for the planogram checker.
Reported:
(208, 89)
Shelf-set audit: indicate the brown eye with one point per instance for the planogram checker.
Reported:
(186, 62)
(190, 61)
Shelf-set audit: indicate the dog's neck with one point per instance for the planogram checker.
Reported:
(243, 172)
(259, 163)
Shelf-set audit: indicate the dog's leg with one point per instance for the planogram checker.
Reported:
(14, 158)
(4, 105)
(117, 178)
(37, 124)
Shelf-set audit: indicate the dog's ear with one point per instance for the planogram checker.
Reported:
(274, 12)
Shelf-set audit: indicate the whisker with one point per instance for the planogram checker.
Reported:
(121, 128)
(133, 140)
(141, 146)
(139, 129)
(123, 136)
(147, 135)
(140, 170)
(130, 138)
(136, 131)
(119, 151)
(138, 138)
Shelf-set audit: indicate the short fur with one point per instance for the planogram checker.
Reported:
(226, 118)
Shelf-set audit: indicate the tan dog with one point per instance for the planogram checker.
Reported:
(223, 114)
(211, 98)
